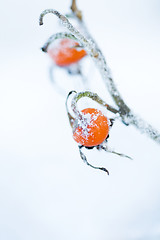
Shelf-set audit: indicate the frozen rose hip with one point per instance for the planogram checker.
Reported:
(66, 53)
(94, 128)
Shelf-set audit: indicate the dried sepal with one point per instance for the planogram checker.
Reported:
(104, 147)
(83, 157)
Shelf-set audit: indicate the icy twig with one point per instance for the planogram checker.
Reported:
(87, 43)
(144, 127)
(130, 119)
(94, 97)
(60, 35)
(78, 114)
(70, 117)
(109, 150)
(93, 50)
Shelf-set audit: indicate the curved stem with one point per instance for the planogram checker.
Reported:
(70, 117)
(46, 12)
(88, 44)
(93, 50)
(83, 157)
(94, 97)
(60, 35)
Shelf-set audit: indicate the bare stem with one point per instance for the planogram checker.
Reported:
(60, 35)
(94, 97)
(83, 157)
(46, 12)
(70, 117)
(75, 10)
(93, 50)
(144, 127)
(87, 43)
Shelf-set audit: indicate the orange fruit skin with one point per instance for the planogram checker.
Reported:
(65, 54)
(95, 131)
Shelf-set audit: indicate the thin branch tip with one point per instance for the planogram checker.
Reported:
(43, 49)
(105, 170)
(55, 12)
(40, 22)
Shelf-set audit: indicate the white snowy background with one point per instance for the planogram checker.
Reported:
(46, 191)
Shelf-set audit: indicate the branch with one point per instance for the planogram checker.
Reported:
(70, 117)
(56, 36)
(131, 119)
(93, 50)
(94, 97)
(75, 10)
(144, 127)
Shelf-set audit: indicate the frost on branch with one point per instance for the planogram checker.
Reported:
(61, 35)
(86, 40)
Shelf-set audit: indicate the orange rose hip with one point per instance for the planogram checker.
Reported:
(94, 128)
(65, 53)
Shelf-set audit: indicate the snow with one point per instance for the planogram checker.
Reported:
(47, 192)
